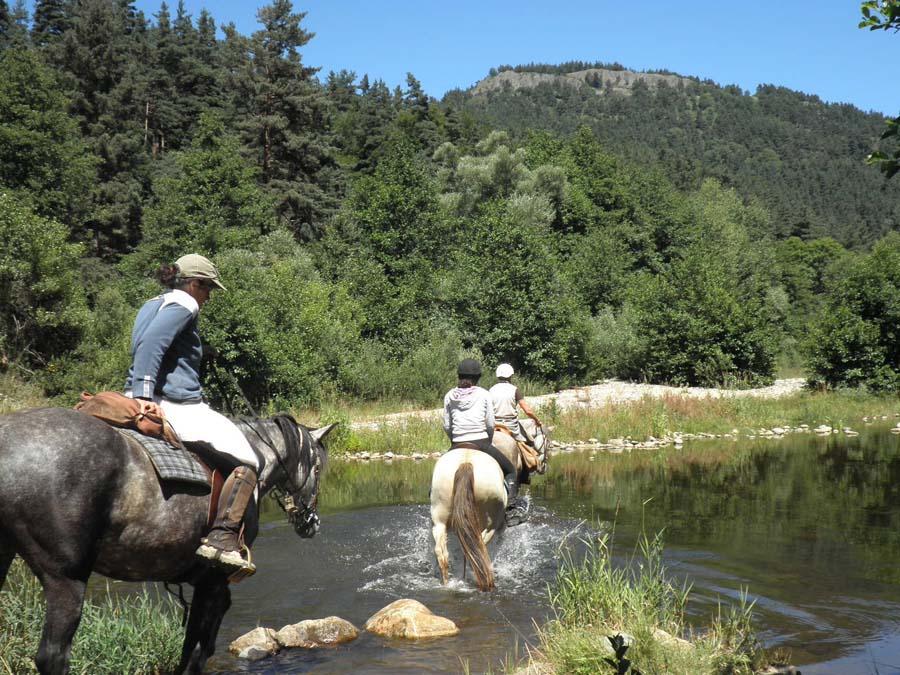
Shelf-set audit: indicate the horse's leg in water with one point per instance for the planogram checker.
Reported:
(210, 601)
(439, 531)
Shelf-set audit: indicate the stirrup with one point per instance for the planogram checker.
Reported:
(233, 562)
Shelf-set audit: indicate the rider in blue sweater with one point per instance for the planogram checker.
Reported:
(165, 371)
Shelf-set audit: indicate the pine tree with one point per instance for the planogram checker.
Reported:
(283, 116)
(51, 19)
(15, 32)
(5, 23)
(99, 55)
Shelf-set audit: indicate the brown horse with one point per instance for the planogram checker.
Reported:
(76, 498)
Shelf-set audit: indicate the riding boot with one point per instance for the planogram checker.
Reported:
(222, 545)
(516, 507)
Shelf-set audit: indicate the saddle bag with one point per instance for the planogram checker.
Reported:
(530, 456)
(120, 411)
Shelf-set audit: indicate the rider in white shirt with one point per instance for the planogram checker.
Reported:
(507, 399)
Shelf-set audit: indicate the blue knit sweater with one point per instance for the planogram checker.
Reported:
(166, 349)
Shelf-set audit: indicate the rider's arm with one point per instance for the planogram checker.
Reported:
(152, 345)
(526, 408)
(489, 415)
(447, 429)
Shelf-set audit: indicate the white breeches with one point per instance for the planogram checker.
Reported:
(199, 422)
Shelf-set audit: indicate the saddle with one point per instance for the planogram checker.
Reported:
(530, 457)
(170, 457)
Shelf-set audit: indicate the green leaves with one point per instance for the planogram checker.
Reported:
(855, 341)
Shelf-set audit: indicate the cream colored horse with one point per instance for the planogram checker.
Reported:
(468, 496)
(507, 445)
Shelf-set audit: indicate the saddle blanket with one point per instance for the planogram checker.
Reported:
(170, 462)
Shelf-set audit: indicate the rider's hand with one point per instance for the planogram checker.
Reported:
(149, 408)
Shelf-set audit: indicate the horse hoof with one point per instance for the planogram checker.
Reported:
(517, 512)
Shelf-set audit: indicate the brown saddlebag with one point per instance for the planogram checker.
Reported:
(530, 457)
(120, 411)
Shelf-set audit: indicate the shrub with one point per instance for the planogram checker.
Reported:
(42, 304)
(855, 341)
(280, 329)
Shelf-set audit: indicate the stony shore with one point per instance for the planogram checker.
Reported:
(605, 393)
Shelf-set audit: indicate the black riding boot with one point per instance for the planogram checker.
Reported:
(516, 507)
(222, 545)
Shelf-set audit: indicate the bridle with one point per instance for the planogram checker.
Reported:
(304, 518)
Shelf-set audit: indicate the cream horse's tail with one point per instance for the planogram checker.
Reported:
(466, 522)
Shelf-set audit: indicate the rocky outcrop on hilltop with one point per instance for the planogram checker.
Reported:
(602, 80)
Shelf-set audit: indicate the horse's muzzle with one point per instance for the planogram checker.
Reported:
(306, 524)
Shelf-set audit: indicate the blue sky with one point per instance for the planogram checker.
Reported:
(814, 47)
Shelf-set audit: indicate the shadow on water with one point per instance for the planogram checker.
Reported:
(811, 526)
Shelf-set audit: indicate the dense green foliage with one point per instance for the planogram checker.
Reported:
(800, 157)
(371, 237)
(856, 340)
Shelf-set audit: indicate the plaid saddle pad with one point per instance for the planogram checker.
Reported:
(171, 463)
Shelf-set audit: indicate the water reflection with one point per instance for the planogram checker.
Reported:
(809, 525)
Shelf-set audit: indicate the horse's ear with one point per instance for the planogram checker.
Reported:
(320, 433)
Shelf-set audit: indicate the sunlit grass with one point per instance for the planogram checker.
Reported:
(595, 600)
(641, 419)
(658, 417)
(134, 633)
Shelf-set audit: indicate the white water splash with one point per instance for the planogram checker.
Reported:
(525, 557)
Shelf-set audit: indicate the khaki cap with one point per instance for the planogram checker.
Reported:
(195, 266)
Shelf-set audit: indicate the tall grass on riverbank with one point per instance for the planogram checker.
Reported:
(595, 600)
(638, 419)
(135, 633)
(658, 417)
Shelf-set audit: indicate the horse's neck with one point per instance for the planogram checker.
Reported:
(268, 434)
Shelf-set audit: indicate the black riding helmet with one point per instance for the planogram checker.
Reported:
(469, 368)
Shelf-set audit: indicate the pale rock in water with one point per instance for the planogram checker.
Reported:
(332, 630)
(409, 619)
(256, 641)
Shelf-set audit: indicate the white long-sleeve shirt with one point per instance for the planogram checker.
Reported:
(468, 414)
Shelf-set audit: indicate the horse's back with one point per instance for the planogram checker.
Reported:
(488, 476)
(57, 442)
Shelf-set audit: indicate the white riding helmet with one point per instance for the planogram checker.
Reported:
(505, 371)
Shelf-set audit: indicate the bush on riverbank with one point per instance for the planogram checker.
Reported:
(118, 634)
(595, 600)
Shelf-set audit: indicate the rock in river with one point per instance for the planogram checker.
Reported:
(260, 639)
(409, 619)
(317, 633)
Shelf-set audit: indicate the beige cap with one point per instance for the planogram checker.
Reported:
(195, 266)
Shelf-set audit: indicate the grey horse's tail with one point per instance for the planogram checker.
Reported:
(466, 522)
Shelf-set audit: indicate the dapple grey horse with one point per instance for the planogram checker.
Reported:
(77, 498)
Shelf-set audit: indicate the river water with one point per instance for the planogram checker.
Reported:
(810, 526)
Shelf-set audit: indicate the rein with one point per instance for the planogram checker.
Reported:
(304, 516)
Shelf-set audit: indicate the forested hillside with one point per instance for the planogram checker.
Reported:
(371, 236)
(800, 157)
